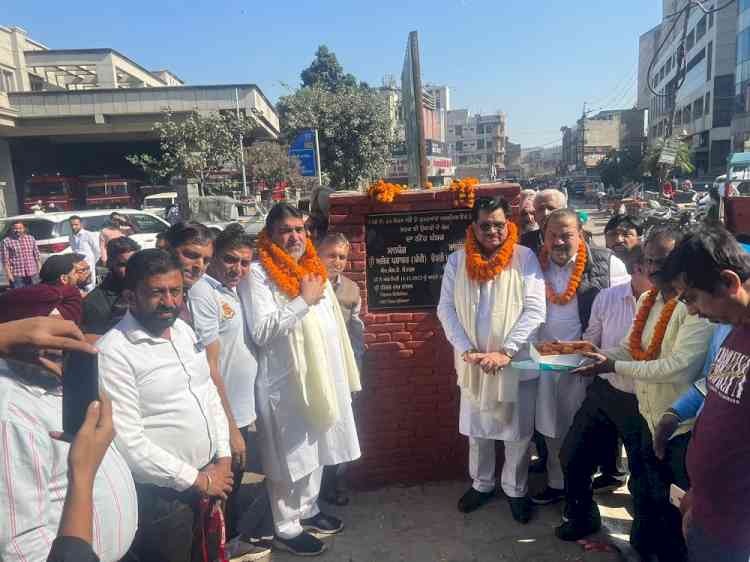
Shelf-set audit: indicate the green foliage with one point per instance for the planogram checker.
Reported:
(682, 162)
(618, 166)
(269, 163)
(195, 147)
(353, 126)
(326, 72)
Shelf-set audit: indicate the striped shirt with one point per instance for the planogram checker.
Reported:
(33, 477)
(21, 254)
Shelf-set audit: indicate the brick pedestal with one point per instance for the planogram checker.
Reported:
(407, 412)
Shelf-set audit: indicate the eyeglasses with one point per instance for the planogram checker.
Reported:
(488, 227)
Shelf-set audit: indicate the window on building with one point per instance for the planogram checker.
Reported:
(489, 143)
(687, 115)
(480, 129)
(710, 19)
(459, 130)
(723, 100)
(660, 130)
(690, 40)
(669, 65)
(462, 159)
(709, 60)
(459, 146)
(698, 108)
(707, 104)
(7, 81)
(700, 29)
(480, 144)
(678, 117)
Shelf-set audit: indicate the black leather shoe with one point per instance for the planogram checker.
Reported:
(538, 466)
(548, 496)
(520, 509)
(473, 500)
(579, 525)
(303, 544)
(323, 524)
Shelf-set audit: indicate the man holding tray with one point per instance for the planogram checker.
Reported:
(574, 273)
(491, 303)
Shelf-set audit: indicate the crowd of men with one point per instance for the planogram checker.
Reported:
(220, 354)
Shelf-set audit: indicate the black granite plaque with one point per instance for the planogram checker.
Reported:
(406, 254)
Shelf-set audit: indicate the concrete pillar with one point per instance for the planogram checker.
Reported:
(6, 176)
(18, 46)
(106, 72)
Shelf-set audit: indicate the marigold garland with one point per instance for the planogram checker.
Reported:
(283, 270)
(636, 334)
(465, 192)
(480, 269)
(384, 192)
(575, 277)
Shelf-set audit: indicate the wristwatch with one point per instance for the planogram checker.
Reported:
(508, 353)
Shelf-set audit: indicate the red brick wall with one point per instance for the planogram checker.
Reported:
(407, 411)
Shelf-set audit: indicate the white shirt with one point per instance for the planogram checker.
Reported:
(291, 447)
(34, 476)
(217, 315)
(87, 244)
(612, 315)
(167, 413)
(526, 325)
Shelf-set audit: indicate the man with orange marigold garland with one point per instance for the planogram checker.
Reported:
(491, 304)
(663, 353)
(306, 374)
(574, 274)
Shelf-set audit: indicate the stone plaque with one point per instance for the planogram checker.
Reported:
(406, 254)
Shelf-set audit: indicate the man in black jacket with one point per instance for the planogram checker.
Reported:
(105, 306)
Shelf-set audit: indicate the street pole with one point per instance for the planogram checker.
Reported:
(583, 139)
(242, 147)
(318, 165)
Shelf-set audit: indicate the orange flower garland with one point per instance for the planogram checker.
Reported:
(482, 270)
(575, 277)
(283, 270)
(636, 334)
(384, 192)
(465, 192)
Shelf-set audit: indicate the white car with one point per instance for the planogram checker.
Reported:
(158, 203)
(52, 230)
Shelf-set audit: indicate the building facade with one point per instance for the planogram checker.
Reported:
(476, 142)
(741, 117)
(699, 106)
(60, 107)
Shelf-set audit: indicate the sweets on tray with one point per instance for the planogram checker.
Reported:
(564, 348)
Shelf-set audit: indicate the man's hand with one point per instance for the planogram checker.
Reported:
(494, 362)
(218, 479)
(91, 442)
(601, 364)
(238, 447)
(686, 509)
(472, 357)
(664, 430)
(25, 339)
(312, 288)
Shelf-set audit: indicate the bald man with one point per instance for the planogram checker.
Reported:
(545, 202)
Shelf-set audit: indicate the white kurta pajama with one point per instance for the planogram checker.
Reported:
(482, 426)
(560, 395)
(293, 449)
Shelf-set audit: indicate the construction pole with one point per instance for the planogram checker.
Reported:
(242, 146)
(583, 139)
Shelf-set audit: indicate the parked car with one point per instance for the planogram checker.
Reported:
(158, 202)
(52, 230)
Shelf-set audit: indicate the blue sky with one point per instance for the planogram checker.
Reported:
(537, 61)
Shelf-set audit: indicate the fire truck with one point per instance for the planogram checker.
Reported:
(52, 192)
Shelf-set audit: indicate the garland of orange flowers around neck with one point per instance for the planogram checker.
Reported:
(480, 269)
(575, 277)
(636, 334)
(286, 273)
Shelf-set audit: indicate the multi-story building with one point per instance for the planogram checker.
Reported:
(588, 143)
(541, 161)
(512, 159)
(694, 81)
(80, 111)
(740, 129)
(476, 142)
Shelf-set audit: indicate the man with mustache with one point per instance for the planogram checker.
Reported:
(545, 202)
(306, 374)
(170, 424)
(488, 318)
(712, 274)
(663, 354)
(622, 233)
(574, 274)
(218, 320)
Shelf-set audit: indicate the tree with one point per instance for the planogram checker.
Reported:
(269, 164)
(353, 128)
(682, 162)
(618, 166)
(326, 72)
(195, 147)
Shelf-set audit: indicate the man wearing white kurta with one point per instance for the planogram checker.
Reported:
(487, 322)
(85, 243)
(560, 395)
(306, 373)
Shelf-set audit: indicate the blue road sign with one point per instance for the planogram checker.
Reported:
(303, 148)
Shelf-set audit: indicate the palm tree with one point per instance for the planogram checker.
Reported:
(659, 170)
